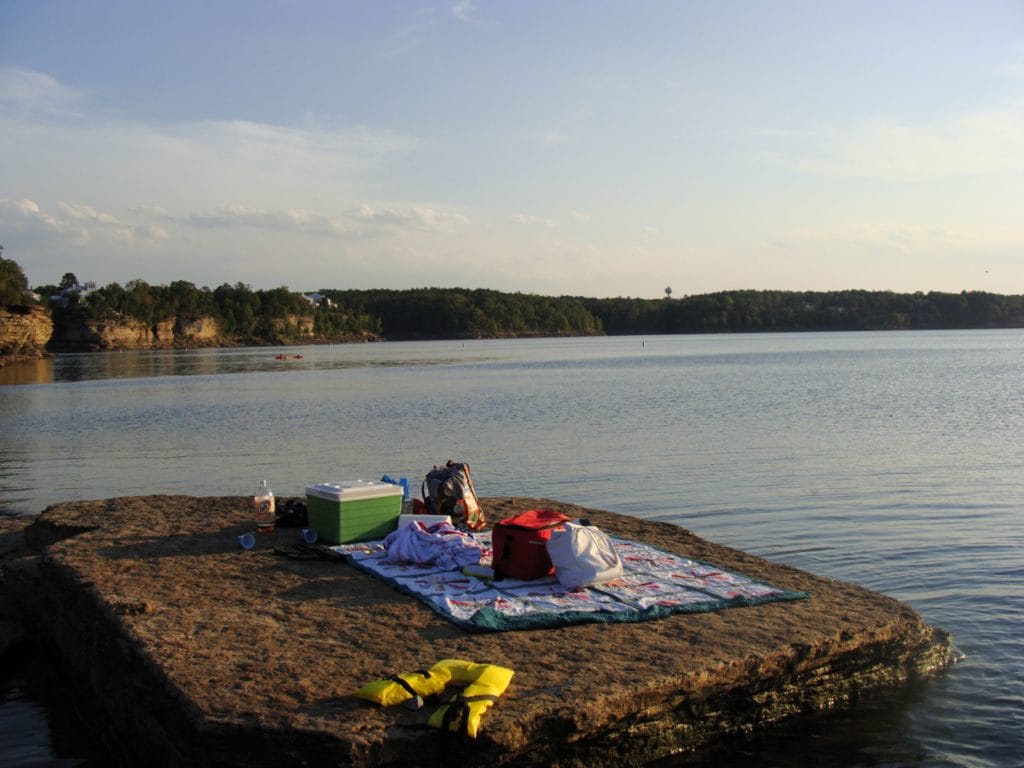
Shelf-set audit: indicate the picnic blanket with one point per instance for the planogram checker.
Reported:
(654, 584)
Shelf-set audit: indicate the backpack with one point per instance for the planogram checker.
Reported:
(520, 544)
(449, 490)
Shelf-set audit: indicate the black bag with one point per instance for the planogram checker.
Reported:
(293, 515)
(448, 490)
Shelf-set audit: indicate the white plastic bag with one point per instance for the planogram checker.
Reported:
(583, 555)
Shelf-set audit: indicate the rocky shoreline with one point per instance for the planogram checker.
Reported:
(24, 333)
(204, 654)
(28, 332)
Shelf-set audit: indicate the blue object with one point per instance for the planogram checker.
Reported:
(309, 535)
(402, 481)
(246, 541)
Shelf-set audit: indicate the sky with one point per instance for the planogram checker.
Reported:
(563, 147)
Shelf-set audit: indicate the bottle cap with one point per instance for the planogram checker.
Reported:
(246, 541)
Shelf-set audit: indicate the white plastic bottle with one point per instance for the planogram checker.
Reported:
(263, 507)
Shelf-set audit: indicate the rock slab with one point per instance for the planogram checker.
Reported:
(199, 653)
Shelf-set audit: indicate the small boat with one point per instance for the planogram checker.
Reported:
(289, 357)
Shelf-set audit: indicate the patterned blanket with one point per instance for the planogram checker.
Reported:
(654, 584)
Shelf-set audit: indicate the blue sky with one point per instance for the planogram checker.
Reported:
(560, 147)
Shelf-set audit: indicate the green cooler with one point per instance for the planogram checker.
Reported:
(354, 510)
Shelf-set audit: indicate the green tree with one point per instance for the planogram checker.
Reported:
(13, 283)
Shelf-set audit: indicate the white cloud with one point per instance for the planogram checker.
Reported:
(417, 217)
(878, 237)
(529, 220)
(981, 143)
(360, 221)
(95, 179)
(75, 224)
(87, 213)
(463, 10)
(26, 92)
(297, 221)
(579, 216)
(117, 162)
(20, 207)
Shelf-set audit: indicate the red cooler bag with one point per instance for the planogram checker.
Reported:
(520, 544)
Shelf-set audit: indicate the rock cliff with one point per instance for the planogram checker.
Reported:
(82, 335)
(79, 335)
(24, 332)
(294, 325)
(201, 331)
(102, 335)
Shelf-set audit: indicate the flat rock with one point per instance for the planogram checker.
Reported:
(199, 653)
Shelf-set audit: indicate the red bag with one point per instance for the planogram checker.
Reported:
(520, 544)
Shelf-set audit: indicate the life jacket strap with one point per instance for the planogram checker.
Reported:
(457, 712)
(409, 689)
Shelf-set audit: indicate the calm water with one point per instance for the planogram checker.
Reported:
(894, 460)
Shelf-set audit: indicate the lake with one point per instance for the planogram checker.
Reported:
(894, 460)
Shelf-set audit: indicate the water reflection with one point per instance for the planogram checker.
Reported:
(95, 366)
(27, 372)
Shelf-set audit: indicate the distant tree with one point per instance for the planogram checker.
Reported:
(68, 281)
(668, 291)
(13, 282)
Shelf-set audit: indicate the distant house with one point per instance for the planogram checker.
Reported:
(81, 290)
(318, 300)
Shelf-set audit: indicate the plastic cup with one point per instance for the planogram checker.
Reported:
(309, 535)
(246, 541)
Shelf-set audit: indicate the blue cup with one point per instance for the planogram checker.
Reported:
(246, 541)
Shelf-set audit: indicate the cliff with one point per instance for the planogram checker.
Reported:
(24, 332)
(198, 332)
(103, 335)
(72, 334)
(76, 334)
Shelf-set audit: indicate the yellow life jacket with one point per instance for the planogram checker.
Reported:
(407, 687)
(484, 684)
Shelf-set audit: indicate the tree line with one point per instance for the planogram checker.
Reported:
(245, 315)
(465, 313)
(457, 312)
(851, 310)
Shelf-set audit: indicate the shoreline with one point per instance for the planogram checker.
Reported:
(208, 655)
